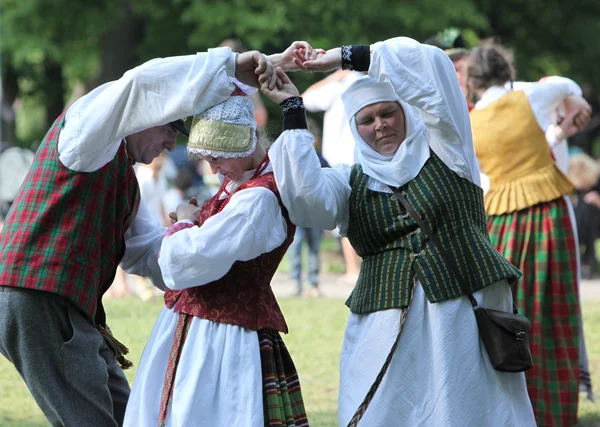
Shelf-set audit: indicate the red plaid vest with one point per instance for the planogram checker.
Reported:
(243, 296)
(65, 231)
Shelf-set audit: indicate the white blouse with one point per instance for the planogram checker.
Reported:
(318, 197)
(250, 225)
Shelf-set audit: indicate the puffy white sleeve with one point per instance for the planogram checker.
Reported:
(251, 224)
(314, 197)
(142, 244)
(424, 77)
(548, 95)
(153, 94)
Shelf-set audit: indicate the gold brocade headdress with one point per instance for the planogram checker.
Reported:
(226, 130)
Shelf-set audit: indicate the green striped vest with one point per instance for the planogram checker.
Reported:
(393, 247)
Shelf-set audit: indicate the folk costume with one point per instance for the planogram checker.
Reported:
(76, 218)
(440, 373)
(560, 153)
(215, 356)
(530, 224)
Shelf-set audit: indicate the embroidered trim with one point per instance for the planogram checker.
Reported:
(347, 58)
(293, 103)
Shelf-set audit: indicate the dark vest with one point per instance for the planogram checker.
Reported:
(65, 231)
(243, 296)
(393, 247)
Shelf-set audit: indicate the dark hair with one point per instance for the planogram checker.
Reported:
(489, 65)
(184, 179)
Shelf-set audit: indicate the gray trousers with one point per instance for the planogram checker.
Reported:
(70, 371)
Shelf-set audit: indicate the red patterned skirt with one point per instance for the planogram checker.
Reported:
(540, 241)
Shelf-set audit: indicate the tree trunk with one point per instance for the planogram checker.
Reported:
(10, 91)
(118, 47)
(54, 90)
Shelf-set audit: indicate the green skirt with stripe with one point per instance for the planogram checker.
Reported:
(282, 397)
(540, 241)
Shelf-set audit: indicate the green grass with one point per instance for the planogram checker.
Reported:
(315, 341)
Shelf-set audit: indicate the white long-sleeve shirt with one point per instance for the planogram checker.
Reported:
(153, 94)
(250, 225)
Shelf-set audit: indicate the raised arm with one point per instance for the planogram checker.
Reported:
(153, 94)
(314, 197)
(423, 76)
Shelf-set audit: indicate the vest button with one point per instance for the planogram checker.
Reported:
(393, 198)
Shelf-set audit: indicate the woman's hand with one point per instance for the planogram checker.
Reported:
(324, 60)
(579, 112)
(280, 94)
(189, 211)
(291, 59)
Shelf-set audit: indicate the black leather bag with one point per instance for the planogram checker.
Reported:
(505, 335)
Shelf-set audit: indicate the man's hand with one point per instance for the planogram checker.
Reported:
(279, 94)
(250, 65)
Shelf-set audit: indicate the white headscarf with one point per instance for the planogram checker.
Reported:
(412, 154)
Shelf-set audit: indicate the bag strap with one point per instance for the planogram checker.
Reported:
(436, 241)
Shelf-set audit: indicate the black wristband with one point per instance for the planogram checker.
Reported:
(294, 116)
(357, 57)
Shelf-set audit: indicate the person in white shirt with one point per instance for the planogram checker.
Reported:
(76, 218)
(409, 358)
(215, 356)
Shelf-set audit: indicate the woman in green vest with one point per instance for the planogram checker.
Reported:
(411, 127)
(529, 219)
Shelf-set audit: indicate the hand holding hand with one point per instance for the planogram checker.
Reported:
(291, 59)
(323, 60)
(279, 94)
(252, 65)
(189, 211)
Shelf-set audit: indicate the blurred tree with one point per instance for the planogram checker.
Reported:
(55, 51)
(548, 36)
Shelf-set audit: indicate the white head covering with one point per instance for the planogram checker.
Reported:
(412, 154)
(226, 130)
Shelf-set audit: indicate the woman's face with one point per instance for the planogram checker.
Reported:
(230, 168)
(382, 126)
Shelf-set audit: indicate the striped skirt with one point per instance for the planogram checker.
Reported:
(282, 397)
(540, 241)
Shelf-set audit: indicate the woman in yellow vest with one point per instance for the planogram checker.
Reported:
(528, 217)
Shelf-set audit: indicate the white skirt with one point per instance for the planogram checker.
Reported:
(218, 380)
(440, 374)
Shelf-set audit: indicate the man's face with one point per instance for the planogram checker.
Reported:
(144, 146)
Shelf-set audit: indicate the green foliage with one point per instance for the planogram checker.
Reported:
(549, 36)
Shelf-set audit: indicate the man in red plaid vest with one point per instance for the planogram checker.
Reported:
(76, 218)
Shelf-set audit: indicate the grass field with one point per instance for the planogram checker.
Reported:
(314, 341)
